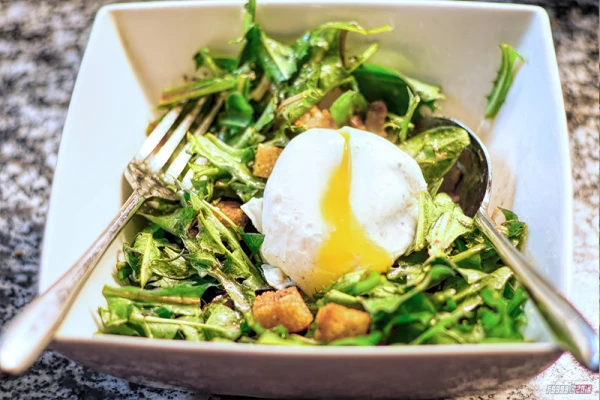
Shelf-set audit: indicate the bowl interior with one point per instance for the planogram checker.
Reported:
(136, 50)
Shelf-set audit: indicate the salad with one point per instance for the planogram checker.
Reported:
(315, 215)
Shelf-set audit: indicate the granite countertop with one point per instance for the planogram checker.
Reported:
(41, 45)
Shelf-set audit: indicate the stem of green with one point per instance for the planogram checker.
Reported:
(137, 317)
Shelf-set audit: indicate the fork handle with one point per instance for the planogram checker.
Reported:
(570, 329)
(27, 335)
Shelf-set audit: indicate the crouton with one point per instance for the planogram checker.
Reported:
(376, 114)
(232, 210)
(315, 118)
(336, 322)
(266, 157)
(282, 307)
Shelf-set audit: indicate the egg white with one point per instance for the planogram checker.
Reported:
(384, 193)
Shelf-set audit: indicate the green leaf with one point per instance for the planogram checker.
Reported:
(380, 83)
(515, 307)
(515, 230)
(411, 319)
(504, 80)
(341, 298)
(361, 58)
(191, 333)
(267, 116)
(444, 322)
(279, 339)
(446, 229)
(508, 215)
(470, 258)
(221, 316)
(181, 294)
(126, 300)
(226, 64)
(147, 247)
(252, 135)
(249, 16)
(496, 320)
(203, 59)
(245, 192)
(345, 106)
(390, 304)
(114, 325)
(253, 241)
(294, 107)
(240, 155)
(357, 282)
(326, 38)
(176, 223)
(428, 213)
(276, 59)
(436, 150)
(428, 93)
(174, 266)
(202, 247)
(242, 297)
(413, 103)
(495, 280)
(364, 340)
(333, 71)
(167, 328)
(238, 112)
(224, 157)
(238, 264)
(472, 275)
(405, 271)
(119, 307)
(323, 70)
(198, 89)
(351, 26)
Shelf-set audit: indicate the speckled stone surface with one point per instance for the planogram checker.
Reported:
(41, 44)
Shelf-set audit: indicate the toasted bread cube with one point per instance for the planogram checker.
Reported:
(282, 307)
(316, 118)
(336, 322)
(266, 157)
(232, 210)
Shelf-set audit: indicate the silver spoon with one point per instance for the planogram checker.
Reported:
(472, 181)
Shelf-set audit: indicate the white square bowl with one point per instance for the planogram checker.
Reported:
(136, 50)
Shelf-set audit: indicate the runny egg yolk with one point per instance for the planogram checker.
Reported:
(348, 247)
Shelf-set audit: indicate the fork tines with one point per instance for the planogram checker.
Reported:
(166, 146)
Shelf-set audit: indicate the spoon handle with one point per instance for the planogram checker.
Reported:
(570, 329)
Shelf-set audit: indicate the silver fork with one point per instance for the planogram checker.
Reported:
(27, 335)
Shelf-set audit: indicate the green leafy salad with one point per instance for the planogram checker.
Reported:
(196, 271)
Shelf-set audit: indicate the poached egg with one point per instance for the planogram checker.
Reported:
(337, 201)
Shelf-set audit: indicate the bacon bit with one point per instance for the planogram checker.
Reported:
(376, 114)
